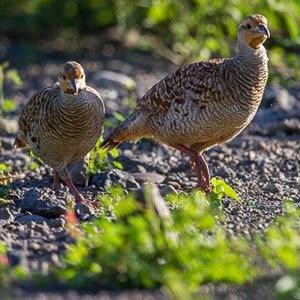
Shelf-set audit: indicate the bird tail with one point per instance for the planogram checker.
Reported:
(126, 131)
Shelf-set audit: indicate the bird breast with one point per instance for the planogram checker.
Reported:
(68, 127)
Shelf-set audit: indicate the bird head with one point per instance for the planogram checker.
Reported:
(254, 31)
(72, 78)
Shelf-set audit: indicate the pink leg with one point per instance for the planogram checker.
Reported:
(78, 197)
(55, 181)
(199, 166)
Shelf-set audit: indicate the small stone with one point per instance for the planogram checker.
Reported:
(55, 259)
(57, 222)
(84, 212)
(272, 188)
(34, 246)
(6, 143)
(44, 202)
(291, 125)
(148, 177)
(225, 172)
(79, 172)
(168, 189)
(110, 79)
(176, 185)
(6, 215)
(31, 218)
(105, 180)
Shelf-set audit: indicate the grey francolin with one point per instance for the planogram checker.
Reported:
(62, 123)
(204, 103)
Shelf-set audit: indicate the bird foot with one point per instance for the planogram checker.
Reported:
(80, 198)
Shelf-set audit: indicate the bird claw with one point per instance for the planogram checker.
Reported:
(79, 198)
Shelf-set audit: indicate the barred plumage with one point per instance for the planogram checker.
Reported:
(62, 123)
(204, 103)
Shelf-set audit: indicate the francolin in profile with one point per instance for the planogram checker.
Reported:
(62, 123)
(203, 104)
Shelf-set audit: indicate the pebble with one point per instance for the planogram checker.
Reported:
(110, 79)
(84, 212)
(225, 172)
(148, 177)
(272, 188)
(43, 202)
(79, 172)
(31, 218)
(57, 222)
(6, 215)
(105, 180)
(168, 189)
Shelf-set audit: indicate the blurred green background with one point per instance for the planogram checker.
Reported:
(180, 30)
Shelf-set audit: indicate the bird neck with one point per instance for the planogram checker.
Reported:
(250, 56)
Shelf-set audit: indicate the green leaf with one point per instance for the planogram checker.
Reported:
(118, 165)
(8, 105)
(118, 116)
(14, 76)
(221, 186)
(114, 152)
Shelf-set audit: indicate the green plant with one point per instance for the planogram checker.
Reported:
(280, 246)
(101, 159)
(3, 264)
(176, 252)
(7, 105)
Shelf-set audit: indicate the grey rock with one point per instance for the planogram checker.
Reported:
(105, 180)
(31, 218)
(168, 189)
(110, 79)
(176, 185)
(57, 222)
(272, 188)
(6, 143)
(6, 215)
(224, 172)
(84, 212)
(291, 126)
(148, 177)
(79, 171)
(279, 97)
(44, 202)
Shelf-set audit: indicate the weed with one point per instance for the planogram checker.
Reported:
(176, 252)
(7, 105)
(101, 159)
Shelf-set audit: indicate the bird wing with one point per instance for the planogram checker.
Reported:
(32, 113)
(196, 82)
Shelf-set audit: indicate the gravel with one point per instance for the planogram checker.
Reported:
(262, 164)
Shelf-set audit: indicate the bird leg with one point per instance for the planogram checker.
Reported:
(78, 197)
(199, 166)
(55, 181)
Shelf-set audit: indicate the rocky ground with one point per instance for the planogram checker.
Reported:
(262, 164)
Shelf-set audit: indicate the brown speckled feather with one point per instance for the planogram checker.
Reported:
(195, 82)
(61, 128)
(204, 103)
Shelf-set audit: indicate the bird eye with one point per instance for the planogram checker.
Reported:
(64, 77)
(81, 76)
(248, 26)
